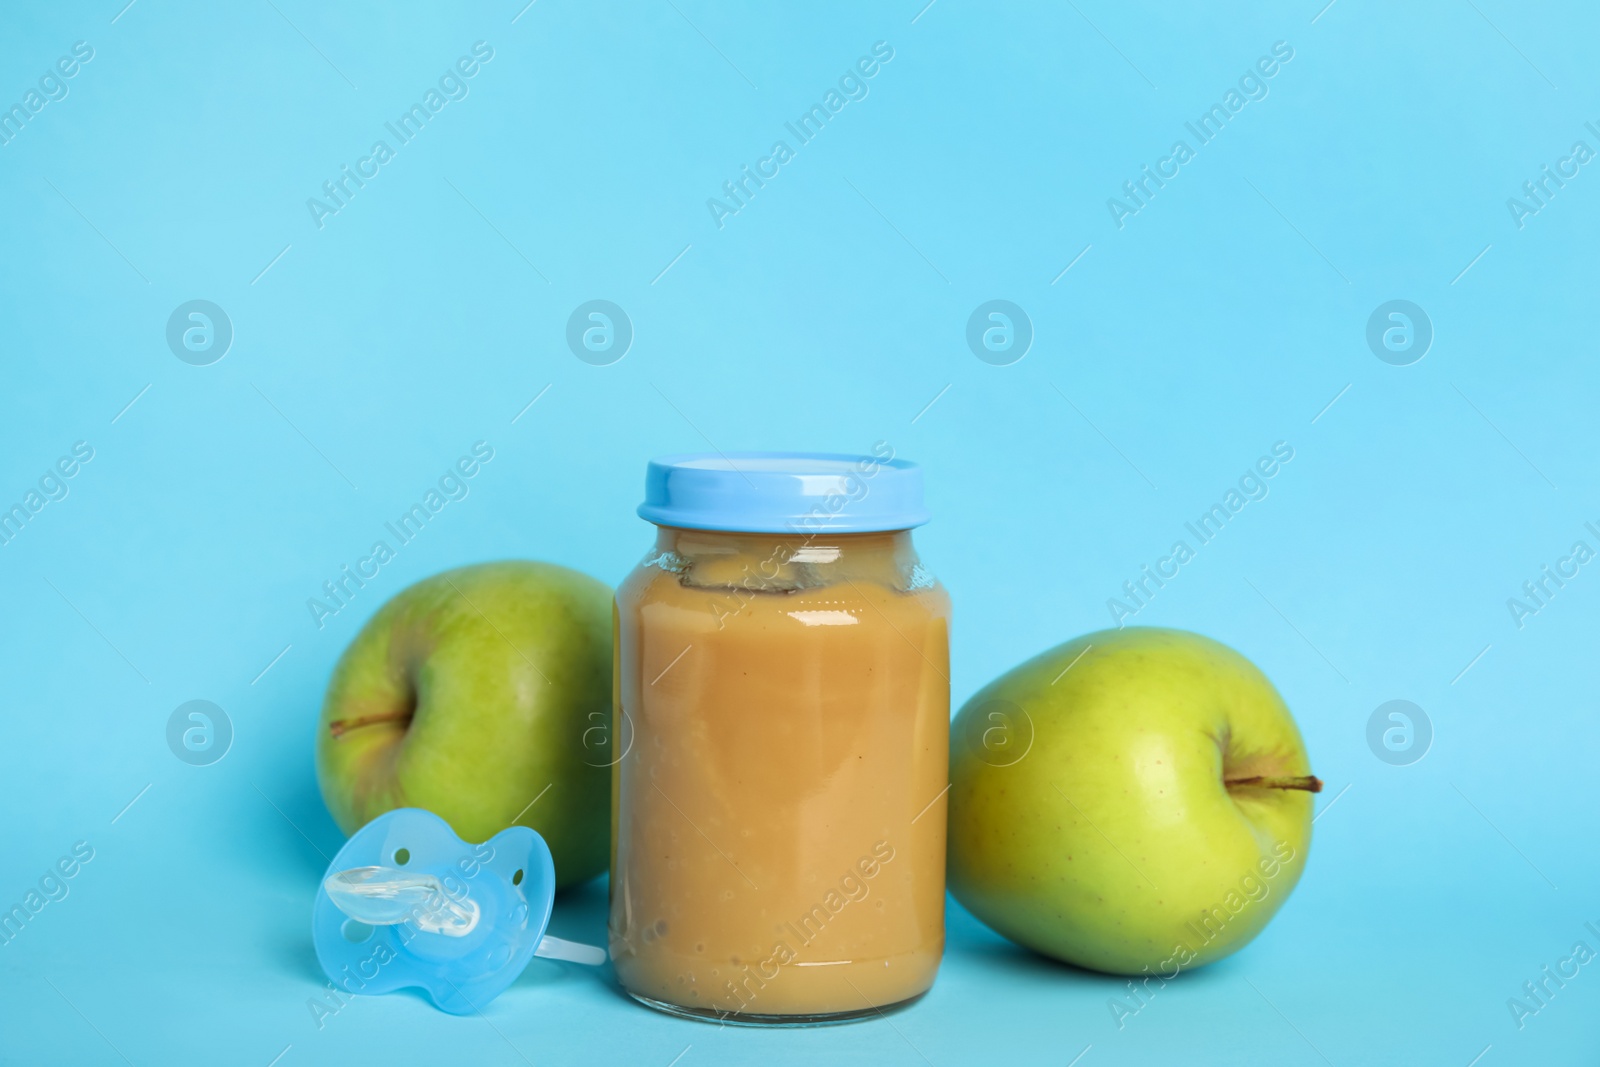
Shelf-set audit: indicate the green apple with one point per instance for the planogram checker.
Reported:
(483, 695)
(1134, 801)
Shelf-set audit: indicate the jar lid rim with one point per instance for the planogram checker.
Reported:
(784, 492)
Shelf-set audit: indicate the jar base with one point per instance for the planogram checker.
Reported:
(740, 1018)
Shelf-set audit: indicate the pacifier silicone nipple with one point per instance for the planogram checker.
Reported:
(408, 903)
(383, 896)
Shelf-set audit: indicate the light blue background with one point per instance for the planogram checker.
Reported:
(828, 313)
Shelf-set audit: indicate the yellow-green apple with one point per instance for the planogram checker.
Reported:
(1134, 801)
(483, 695)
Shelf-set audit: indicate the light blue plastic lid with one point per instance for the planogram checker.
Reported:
(783, 492)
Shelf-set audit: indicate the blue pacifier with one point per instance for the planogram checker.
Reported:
(408, 903)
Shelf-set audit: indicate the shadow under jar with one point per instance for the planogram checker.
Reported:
(782, 700)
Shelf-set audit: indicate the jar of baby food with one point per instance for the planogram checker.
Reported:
(782, 700)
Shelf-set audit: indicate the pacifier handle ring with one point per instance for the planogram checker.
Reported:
(557, 948)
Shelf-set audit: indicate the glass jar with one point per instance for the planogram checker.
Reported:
(782, 698)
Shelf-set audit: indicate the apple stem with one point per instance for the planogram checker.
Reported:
(339, 727)
(1310, 783)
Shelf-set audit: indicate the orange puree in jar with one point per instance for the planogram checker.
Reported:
(779, 818)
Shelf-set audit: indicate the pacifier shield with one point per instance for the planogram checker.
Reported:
(420, 907)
